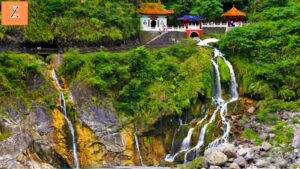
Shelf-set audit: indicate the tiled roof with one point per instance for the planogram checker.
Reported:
(233, 12)
(154, 9)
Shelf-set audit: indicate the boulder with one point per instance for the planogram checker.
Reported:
(243, 151)
(261, 163)
(214, 167)
(286, 115)
(272, 135)
(281, 162)
(215, 157)
(234, 166)
(296, 139)
(266, 146)
(241, 161)
(250, 155)
(263, 136)
(228, 149)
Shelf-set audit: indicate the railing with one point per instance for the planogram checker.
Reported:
(195, 27)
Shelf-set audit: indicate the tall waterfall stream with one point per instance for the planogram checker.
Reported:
(218, 101)
(63, 107)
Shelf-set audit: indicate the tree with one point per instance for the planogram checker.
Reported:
(211, 9)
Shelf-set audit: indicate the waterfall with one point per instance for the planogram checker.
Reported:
(218, 89)
(138, 148)
(63, 107)
(221, 105)
(55, 78)
(180, 121)
(233, 84)
(187, 140)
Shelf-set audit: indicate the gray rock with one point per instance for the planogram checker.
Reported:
(286, 115)
(261, 163)
(272, 135)
(215, 167)
(296, 139)
(263, 136)
(228, 149)
(103, 121)
(104, 124)
(268, 129)
(230, 160)
(215, 157)
(240, 161)
(14, 114)
(243, 151)
(266, 146)
(15, 145)
(296, 153)
(281, 162)
(234, 166)
(250, 155)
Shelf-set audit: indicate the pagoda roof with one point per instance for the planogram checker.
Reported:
(234, 12)
(151, 8)
(191, 18)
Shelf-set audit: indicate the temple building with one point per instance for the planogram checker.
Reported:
(235, 14)
(154, 16)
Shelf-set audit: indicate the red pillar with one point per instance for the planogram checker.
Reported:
(236, 19)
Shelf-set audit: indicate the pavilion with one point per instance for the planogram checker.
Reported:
(233, 13)
(186, 19)
(154, 16)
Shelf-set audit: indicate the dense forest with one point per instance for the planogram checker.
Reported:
(104, 22)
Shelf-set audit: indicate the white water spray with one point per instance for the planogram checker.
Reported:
(187, 140)
(64, 111)
(221, 105)
(138, 148)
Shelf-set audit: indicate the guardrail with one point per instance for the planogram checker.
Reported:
(196, 27)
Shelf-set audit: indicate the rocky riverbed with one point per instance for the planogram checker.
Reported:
(245, 153)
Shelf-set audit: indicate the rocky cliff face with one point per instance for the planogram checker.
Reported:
(30, 144)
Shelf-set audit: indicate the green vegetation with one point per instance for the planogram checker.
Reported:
(268, 109)
(22, 80)
(4, 135)
(266, 54)
(145, 84)
(251, 134)
(197, 163)
(89, 21)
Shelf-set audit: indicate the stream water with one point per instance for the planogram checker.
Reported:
(138, 148)
(218, 101)
(63, 107)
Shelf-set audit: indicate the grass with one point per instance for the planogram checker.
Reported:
(4, 135)
(252, 135)
(197, 163)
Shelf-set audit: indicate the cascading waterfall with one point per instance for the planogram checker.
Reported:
(187, 140)
(63, 107)
(221, 105)
(180, 121)
(138, 148)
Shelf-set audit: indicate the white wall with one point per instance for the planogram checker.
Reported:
(161, 22)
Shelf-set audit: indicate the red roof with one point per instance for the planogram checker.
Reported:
(233, 12)
(150, 8)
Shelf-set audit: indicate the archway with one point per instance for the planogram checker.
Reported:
(194, 34)
(153, 24)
